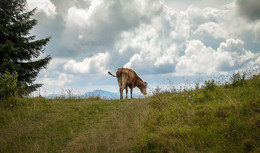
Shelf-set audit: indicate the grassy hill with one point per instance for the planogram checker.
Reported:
(214, 118)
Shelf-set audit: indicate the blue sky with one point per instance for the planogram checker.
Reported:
(160, 40)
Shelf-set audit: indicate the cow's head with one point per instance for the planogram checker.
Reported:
(143, 87)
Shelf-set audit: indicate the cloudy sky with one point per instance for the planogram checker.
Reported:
(160, 40)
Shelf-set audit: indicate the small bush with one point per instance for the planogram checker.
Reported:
(208, 89)
(237, 79)
(210, 85)
(8, 85)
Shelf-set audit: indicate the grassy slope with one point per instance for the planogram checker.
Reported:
(226, 119)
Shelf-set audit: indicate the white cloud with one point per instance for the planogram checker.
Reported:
(135, 61)
(103, 17)
(210, 14)
(257, 62)
(212, 29)
(54, 76)
(101, 23)
(199, 59)
(94, 64)
(153, 47)
(232, 53)
(45, 6)
(61, 80)
(221, 23)
(164, 60)
(77, 17)
(55, 62)
(233, 46)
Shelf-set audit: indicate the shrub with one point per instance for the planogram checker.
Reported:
(8, 85)
(208, 89)
(210, 85)
(237, 79)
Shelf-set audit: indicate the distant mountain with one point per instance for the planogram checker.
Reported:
(106, 94)
(52, 96)
(103, 94)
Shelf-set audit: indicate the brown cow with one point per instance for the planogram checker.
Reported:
(128, 78)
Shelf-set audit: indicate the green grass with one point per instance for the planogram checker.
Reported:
(212, 119)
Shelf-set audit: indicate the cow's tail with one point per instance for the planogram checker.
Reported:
(112, 74)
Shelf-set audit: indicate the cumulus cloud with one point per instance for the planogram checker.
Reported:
(232, 54)
(135, 60)
(199, 59)
(44, 6)
(212, 29)
(53, 75)
(97, 27)
(94, 64)
(61, 80)
(157, 46)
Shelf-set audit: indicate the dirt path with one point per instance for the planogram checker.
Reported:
(115, 132)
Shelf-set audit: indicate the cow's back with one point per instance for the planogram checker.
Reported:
(128, 74)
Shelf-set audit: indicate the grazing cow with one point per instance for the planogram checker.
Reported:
(128, 78)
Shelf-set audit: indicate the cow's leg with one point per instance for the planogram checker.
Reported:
(131, 91)
(123, 86)
(124, 80)
(126, 92)
(120, 87)
(121, 92)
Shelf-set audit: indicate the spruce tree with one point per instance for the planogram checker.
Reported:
(19, 50)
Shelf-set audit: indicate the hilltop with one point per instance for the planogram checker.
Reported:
(223, 118)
